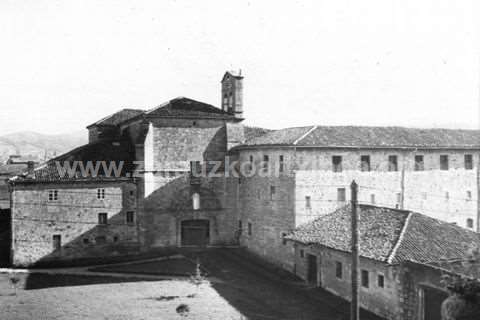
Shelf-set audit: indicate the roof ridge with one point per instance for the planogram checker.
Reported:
(400, 238)
(305, 134)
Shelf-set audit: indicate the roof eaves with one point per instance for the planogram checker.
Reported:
(400, 238)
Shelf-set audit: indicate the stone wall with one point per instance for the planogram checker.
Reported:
(449, 195)
(74, 217)
(384, 301)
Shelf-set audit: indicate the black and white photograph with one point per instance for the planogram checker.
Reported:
(240, 160)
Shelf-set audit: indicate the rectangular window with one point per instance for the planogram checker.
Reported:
(381, 281)
(365, 279)
(57, 241)
(337, 163)
(52, 195)
(302, 253)
(130, 217)
(392, 163)
(398, 199)
(250, 229)
(469, 195)
(240, 226)
(281, 164)
(470, 223)
(365, 163)
(443, 162)
(272, 192)
(308, 202)
(419, 164)
(338, 270)
(284, 241)
(265, 163)
(341, 196)
(372, 198)
(468, 162)
(102, 218)
(101, 193)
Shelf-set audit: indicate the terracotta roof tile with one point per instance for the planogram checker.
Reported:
(374, 137)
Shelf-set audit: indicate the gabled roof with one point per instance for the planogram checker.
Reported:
(187, 108)
(389, 235)
(233, 73)
(118, 117)
(121, 154)
(379, 230)
(370, 137)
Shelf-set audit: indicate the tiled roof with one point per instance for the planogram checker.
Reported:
(119, 153)
(390, 235)
(379, 230)
(118, 117)
(429, 240)
(187, 108)
(373, 137)
(286, 136)
(254, 132)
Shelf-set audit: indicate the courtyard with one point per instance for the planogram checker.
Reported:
(236, 287)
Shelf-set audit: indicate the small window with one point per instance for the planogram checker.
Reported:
(195, 169)
(101, 193)
(365, 163)
(240, 225)
(365, 279)
(196, 201)
(102, 218)
(443, 162)
(392, 163)
(338, 270)
(281, 164)
(308, 202)
(130, 217)
(86, 241)
(249, 228)
(52, 195)
(302, 253)
(337, 163)
(341, 196)
(57, 241)
(100, 240)
(447, 196)
(470, 223)
(284, 241)
(468, 162)
(115, 238)
(381, 281)
(272, 192)
(132, 193)
(399, 198)
(372, 198)
(265, 163)
(419, 164)
(469, 195)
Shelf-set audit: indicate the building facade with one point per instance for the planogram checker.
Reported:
(261, 184)
(400, 253)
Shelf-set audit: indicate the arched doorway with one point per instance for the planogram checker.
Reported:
(195, 232)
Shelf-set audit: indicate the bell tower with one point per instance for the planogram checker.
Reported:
(232, 93)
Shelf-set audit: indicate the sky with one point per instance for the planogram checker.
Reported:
(66, 64)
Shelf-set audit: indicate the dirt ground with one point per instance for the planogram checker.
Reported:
(243, 290)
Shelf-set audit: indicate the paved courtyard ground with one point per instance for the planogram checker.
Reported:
(240, 289)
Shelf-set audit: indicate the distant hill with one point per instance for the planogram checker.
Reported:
(36, 145)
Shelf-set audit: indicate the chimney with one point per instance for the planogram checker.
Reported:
(232, 93)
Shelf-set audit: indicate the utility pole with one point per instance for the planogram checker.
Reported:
(354, 309)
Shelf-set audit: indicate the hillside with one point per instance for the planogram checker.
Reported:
(36, 145)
